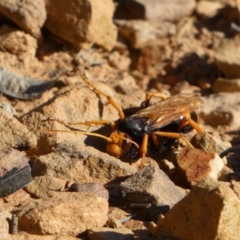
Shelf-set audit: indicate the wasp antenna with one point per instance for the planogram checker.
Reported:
(83, 133)
(131, 141)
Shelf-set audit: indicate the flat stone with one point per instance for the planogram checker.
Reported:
(64, 213)
(90, 187)
(41, 186)
(151, 186)
(81, 165)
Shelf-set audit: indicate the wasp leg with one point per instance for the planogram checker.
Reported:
(143, 149)
(194, 124)
(174, 135)
(110, 99)
(88, 123)
(149, 95)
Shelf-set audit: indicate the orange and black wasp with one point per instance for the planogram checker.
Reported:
(150, 128)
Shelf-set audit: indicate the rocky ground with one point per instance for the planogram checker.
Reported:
(125, 48)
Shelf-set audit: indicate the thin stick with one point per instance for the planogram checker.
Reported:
(14, 224)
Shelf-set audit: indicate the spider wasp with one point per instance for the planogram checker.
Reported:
(151, 127)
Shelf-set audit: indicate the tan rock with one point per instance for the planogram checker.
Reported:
(83, 22)
(117, 213)
(141, 33)
(7, 107)
(113, 223)
(42, 185)
(154, 10)
(210, 211)
(184, 87)
(10, 202)
(198, 164)
(235, 187)
(208, 8)
(90, 187)
(118, 61)
(117, 217)
(17, 42)
(151, 185)
(139, 228)
(226, 85)
(209, 143)
(14, 134)
(78, 104)
(81, 164)
(227, 57)
(124, 84)
(11, 158)
(167, 166)
(220, 110)
(110, 234)
(26, 236)
(238, 5)
(151, 58)
(5, 218)
(29, 15)
(64, 214)
(23, 63)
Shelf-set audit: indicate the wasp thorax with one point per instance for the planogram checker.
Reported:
(121, 143)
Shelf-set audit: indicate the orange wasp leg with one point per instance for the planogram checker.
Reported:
(149, 95)
(174, 135)
(143, 149)
(194, 124)
(110, 99)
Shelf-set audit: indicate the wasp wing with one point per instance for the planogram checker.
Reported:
(164, 112)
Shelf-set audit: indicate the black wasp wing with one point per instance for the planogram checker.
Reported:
(164, 112)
